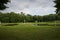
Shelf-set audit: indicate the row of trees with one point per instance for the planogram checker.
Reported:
(21, 17)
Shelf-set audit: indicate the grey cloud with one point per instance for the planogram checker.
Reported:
(20, 5)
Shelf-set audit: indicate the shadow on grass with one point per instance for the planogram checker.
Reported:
(13, 24)
(46, 24)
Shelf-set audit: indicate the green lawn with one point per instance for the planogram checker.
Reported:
(28, 31)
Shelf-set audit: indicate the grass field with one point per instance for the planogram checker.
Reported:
(28, 31)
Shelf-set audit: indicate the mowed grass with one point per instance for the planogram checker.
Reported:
(28, 31)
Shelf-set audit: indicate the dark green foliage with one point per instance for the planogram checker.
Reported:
(57, 6)
(29, 18)
(17, 17)
(2, 2)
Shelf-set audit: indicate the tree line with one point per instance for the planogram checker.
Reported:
(21, 17)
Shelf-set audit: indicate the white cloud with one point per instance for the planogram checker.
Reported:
(34, 7)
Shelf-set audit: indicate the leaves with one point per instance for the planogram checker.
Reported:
(2, 2)
(57, 6)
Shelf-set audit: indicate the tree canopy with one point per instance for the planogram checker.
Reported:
(21, 17)
(57, 6)
(2, 4)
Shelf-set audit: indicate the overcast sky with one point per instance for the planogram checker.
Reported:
(33, 7)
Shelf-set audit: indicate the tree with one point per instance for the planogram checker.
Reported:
(28, 18)
(2, 4)
(57, 6)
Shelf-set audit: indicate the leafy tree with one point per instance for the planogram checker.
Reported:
(16, 17)
(45, 18)
(29, 18)
(51, 17)
(35, 18)
(2, 4)
(57, 6)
